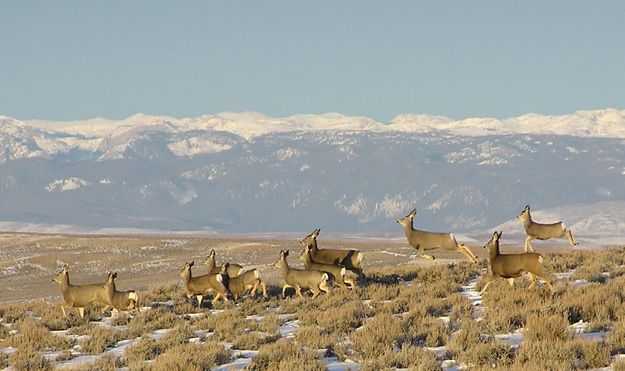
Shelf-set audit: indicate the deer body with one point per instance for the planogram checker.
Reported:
(300, 279)
(199, 286)
(510, 266)
(120, 300)
(240, 284)
(350, 259)
(233, 269)
(337, 271)
(538, 231)
(423, 240)
(80, 296)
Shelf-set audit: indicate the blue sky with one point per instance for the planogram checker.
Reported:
(66, 60)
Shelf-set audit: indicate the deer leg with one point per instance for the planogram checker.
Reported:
(264, 288)
(199, 300)
(81, 311)
(488, 281)
(467, 252)
(350, 281)
(511, 282)
(528, 246)
(298, 290)
(284, 290)
(572, 241)
(422, 253)
(63, 309)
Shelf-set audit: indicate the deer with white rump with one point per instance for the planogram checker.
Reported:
(423, 240)
(300, 279)
(200, 286)
(510, 266)
(119, 300)
(538, 231)
(350, 259)
(233, 269)
(339, 272)
(80, 296)
(240, 284)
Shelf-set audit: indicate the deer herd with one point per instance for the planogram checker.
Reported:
(323, 268)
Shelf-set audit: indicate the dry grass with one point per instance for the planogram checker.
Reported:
(284, 355)
(31, 335)
(195, 356)
(28, 358)
(99, 338)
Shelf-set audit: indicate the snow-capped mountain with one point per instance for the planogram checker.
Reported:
(247, 172)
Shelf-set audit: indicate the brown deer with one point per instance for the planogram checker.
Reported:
(300, 279)
(537, 231)
(339, 272)
(80, 296)
(510, 266)
(350, 259)
(423, 240)
(200, 286)
(240, 284)
(233, 269)
(120, 300)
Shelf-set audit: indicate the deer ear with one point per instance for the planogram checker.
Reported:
(495, 235)
(286, 253)
(114, 274)
(192, 262)
(65, 267)
(527, 207)
(499, 235)
(226, 265)
(212, 252)
(316, 232)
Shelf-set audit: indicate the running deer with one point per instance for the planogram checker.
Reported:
(300, 279)
(423, 240)
(537, 231)
(350, 259)
(510, 266)
(233, 269)
(120, 300)
(199, 286)
(80, 296)
(340, 273)
(240, 284)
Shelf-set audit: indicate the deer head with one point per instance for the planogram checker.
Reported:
(494, 241)
(525, 213)
(60, 277)
(407, 220)
(308, 240)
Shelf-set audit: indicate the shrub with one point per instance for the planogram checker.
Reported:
(31, 335)
(193, 356)
(28, 358)
(284, 356)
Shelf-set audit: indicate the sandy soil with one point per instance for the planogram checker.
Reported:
(28, 262)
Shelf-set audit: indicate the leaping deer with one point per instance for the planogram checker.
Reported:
(537, 231)
(423, 240)
(510, 266)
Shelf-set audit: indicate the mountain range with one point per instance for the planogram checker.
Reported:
(247, 172)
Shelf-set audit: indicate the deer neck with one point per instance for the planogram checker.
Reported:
(186, 276)
(527, 220)
(65, 282)
(494, 252)
(408, 229)
(284, 267)
(307, 259)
